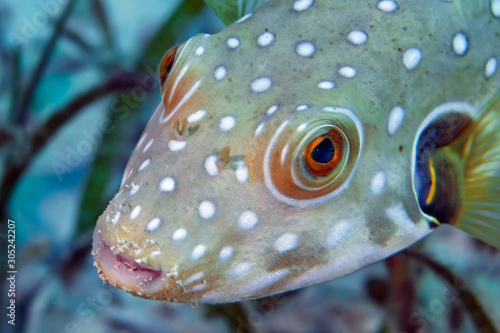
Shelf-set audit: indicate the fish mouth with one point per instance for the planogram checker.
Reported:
(123, 272)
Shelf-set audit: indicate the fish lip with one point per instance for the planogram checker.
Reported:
(126, 273)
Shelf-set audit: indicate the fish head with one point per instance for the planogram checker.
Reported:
(254, 177)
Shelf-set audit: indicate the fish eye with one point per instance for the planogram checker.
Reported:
(308, 162)
(323, 154)
(167, 63)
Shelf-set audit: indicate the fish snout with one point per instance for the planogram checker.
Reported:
(124, 264)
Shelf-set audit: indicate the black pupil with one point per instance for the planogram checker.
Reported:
(324, 151)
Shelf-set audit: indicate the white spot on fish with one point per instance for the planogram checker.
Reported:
(302, 107)
(144, 165)
(460, 43)
(115, 218)
(155, 253)
(337, 233)
(347, 71)
(395, 119)
(326, 85)
(301, 5)
(133, 189)
(226, 253)
(269, 112)
(387, 6)
(196, 116)
(244, 18)
(399, 217)
(179, 235)
(241, 172)
(167, 184)
(220, 73)
(491, 66)
(197, 288)
(148, 145)
(272, 110)
(495, 7)
(176, 145)
(378, 182)
(301, 127)
(135, 212)
(141, 140)
(227, 123)
(178, 78)
(193, 278)
(233, 42)
(206, 210)
(357, 37)
(286, 242)
(260, 85)
(198, 252)
(210, 165)
(265, 39)
(259, 129)
(247, 220)
(264, 282)
(153, 224)
(199, 51)
(412, 57)
(305, 49)
(239, 270)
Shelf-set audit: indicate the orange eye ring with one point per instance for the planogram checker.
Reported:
(323, 154)
(309, 162)
(167, 63)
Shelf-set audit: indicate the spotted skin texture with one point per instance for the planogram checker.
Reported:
(224, 213)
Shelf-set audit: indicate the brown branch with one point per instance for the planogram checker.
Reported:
(15, 81)
(479, 317)
(74, 36)
(22, 114)
(102, 19)
(121, 81)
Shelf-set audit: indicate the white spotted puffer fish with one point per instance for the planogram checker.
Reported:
(305, 141)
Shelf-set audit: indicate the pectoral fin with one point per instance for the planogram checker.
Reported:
(458, 172)
(481, 209)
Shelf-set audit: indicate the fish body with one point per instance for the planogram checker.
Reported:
(305, 141)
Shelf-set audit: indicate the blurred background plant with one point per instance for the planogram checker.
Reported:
(78, 84)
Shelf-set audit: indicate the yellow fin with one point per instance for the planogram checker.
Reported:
(481, 206)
